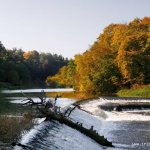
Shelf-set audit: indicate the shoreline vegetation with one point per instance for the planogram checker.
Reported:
(143, 92)
(138, 92)
(14, 121)
(12, 127)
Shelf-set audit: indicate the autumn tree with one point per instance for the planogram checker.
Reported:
(65, 76)
(28, 68)
(118, 58)
(133, 59)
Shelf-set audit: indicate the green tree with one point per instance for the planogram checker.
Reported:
(13, 77)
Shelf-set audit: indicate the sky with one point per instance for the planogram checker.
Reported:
(65, 27)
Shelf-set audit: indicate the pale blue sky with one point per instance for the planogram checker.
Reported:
(64, 27)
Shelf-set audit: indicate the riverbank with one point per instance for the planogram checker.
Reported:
(143, 91)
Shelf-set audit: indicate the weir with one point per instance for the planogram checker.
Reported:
(50, 110)
(117, 126)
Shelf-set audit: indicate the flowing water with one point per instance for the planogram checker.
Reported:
(128, 129)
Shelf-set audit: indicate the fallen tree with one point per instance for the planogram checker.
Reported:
(49, 109)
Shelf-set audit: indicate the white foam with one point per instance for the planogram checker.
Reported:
(93, 107)
(123, 100)
(126, 116)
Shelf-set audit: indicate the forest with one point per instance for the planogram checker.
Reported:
(20, 68)
(118, 59)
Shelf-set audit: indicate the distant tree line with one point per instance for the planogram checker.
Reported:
(119, 58)
(19, 68)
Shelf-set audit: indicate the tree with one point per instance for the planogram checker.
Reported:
(2, 51)
(118, 58)
(65, 76)
(13, 77)
(133, 59)
(28, 68)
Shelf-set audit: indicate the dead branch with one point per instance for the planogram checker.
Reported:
(31, 102)
(70, 110)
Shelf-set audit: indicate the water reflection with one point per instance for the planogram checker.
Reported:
(37, 90)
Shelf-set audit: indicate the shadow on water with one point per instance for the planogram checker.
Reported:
(8, 108)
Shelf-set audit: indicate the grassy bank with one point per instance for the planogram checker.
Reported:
(139, 92)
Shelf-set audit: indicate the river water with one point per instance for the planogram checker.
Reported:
(127, 130)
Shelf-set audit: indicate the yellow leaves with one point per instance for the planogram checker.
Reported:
(30, 54)
(119, 35)
(26, 55)
(120, 55)
(145, 20)
(65, 76)
(130, 56)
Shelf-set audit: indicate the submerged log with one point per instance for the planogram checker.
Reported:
(52, 113)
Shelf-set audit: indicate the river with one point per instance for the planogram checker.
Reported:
(128, 129)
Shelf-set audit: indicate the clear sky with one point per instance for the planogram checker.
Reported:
(64, 27)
